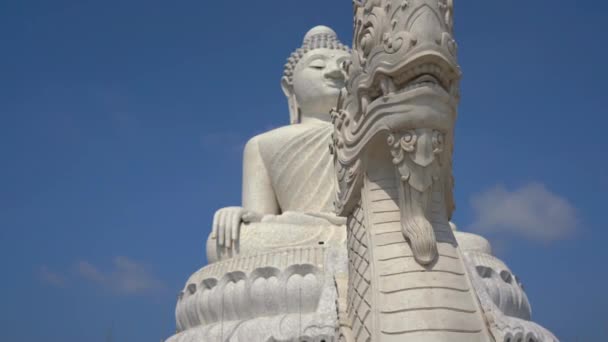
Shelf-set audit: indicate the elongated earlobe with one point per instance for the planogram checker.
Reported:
(294, 111)
(286, 86)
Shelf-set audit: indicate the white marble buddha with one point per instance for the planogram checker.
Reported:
(290, 169)
(273, 261)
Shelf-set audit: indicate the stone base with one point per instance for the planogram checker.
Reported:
(292, 297)
(282, 328)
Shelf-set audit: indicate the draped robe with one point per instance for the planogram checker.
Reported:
(300, 166)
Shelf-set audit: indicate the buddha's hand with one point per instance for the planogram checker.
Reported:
(227, 224)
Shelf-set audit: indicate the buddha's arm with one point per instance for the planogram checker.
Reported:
(258, 200)
(258, 194)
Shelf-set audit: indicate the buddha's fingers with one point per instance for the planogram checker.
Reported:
(251, 216)
(221, 228)
(228, 229)
(214, 227)
(236, 226)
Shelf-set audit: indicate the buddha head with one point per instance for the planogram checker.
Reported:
(313, 76)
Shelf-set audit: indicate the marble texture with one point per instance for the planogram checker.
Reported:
(501, 293)
(408, 278)
(290, 168)
(284, 295)
(344, 231)
(393, 143)
(288, 230)
(274, 260)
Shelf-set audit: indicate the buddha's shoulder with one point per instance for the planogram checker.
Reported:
(277, 137)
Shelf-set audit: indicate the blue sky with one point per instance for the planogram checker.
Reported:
(122, 124)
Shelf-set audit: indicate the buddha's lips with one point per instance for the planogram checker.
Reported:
(335, 84)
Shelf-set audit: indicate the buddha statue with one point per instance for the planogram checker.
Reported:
(289, 169)
(282, 266)
(500, 292)
(273, 260)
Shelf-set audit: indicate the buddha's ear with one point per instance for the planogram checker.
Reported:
(287, 86)
(294, 112)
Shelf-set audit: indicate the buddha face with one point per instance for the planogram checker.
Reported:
(317, 81)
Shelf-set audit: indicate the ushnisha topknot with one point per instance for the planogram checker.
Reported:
(319, 37)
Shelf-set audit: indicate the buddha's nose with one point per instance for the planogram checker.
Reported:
(334, 72)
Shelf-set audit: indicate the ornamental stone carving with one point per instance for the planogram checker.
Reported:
(393, 140)
(354, 242)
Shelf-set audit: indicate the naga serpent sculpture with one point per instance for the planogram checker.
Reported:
(392, 147)
(410, 277)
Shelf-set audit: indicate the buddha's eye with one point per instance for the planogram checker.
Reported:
(317, 64)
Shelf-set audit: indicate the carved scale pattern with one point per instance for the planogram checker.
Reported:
(390, 296)
(359, 287)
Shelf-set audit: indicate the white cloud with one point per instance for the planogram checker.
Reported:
(125, 277)
(51, 278)
(531, 212)
(91, 273)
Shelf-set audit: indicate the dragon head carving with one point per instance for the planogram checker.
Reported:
(399, 45)
(403, 83)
